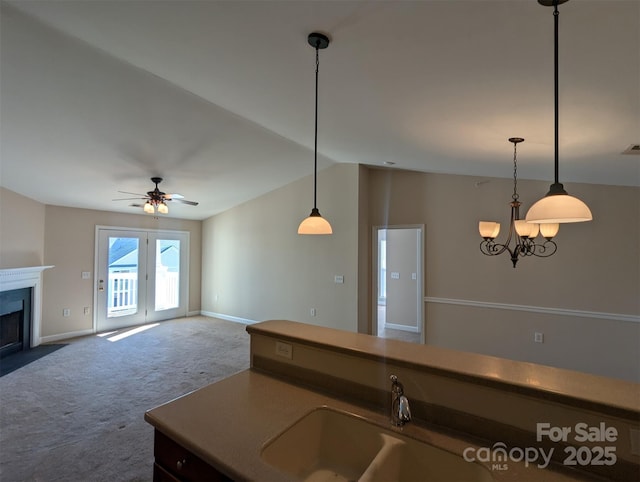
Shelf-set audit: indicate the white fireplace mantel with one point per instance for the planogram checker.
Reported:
(27, 277)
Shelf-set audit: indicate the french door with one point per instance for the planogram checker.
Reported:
(142, 276)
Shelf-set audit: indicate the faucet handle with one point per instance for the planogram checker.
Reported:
(396, 386)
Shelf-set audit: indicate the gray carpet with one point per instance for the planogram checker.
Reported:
(77, 413)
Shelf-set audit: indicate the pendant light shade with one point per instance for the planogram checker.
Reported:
(557, 206)
(315, 223)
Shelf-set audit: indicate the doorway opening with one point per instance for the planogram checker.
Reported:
(398, 282)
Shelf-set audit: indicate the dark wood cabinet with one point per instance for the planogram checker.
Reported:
(174, 463)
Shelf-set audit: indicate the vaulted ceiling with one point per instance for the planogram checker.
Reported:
(217, 97)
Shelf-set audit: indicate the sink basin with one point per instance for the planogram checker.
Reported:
(325, 445)
(329, 445)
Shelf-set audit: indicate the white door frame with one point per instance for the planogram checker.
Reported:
(184, 288)
(420, 275)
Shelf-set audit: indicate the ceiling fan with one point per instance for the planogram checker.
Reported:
(156, 200)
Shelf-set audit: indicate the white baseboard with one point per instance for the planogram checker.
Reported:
(66, 336)
(536, 309)
(393, 326)
(235, 319)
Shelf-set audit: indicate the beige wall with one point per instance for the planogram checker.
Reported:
(33, 234)
(70, 244)
(584, 299)
(21, 230)
(256, 266)
(594, 275)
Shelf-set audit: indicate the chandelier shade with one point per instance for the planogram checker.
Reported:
(489, 229)
(315, 223)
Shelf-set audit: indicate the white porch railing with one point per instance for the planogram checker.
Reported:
(123, 292)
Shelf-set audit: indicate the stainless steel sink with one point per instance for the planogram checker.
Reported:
(330, 445)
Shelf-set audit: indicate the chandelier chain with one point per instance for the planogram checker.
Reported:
(515, 195)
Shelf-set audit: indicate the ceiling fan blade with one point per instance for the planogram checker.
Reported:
(174, 196)
(128, 198)
(184, 201)
(134, 193)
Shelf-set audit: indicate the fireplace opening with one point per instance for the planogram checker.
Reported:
(15, 321)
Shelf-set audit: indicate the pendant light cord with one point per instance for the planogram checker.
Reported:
(556, 14)
(315, 146)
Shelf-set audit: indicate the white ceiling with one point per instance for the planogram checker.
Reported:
(217, 97)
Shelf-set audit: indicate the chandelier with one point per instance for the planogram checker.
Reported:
(521, 234)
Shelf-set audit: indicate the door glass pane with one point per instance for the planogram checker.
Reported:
(122, 280)
(167, 274)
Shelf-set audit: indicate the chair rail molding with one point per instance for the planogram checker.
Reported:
(535, 309)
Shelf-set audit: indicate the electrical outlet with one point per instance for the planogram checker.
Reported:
(86, 275)
(87, 310)
(538, 337)
(66, 312)
(338, 279)
(395, 275)
(312, 312)
(285, 350)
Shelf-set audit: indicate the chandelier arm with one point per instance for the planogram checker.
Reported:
(545, 249)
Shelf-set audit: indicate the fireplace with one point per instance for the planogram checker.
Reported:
(15, 321)
(15, 279)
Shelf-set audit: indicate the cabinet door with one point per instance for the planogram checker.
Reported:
(175, 461)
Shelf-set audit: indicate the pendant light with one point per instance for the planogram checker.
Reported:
(315, 223)
(557, 206)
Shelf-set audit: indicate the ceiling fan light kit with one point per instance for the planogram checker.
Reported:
(156, 200)
(315, 223)
(557, 206)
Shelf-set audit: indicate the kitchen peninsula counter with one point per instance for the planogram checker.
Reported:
(227, 423)
(459, 400)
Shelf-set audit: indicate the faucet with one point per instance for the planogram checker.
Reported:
(400, 412)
